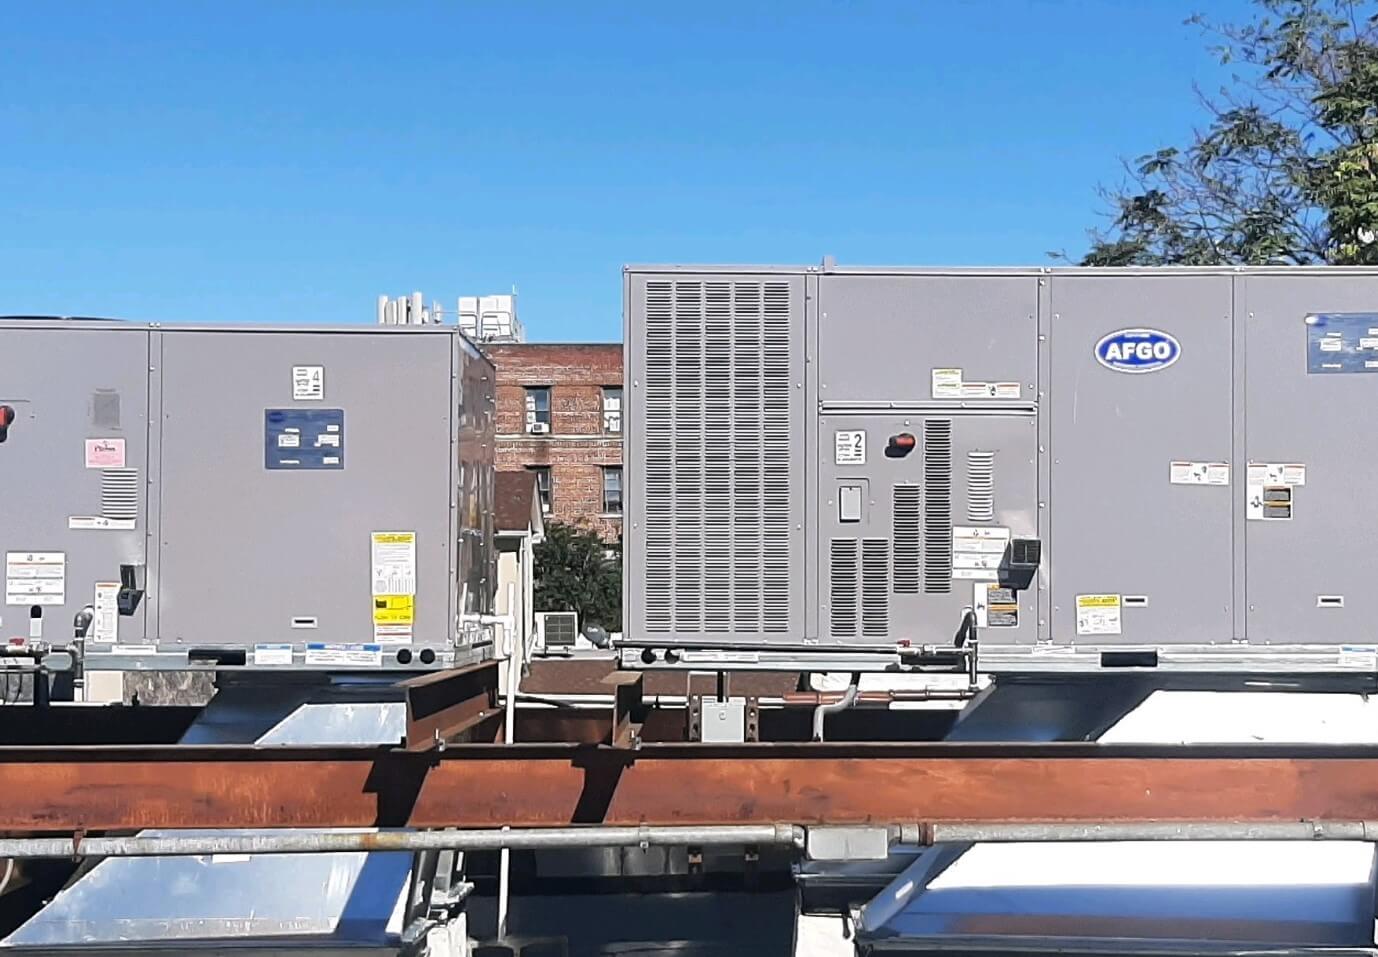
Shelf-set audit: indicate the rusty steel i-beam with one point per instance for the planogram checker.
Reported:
(87, 789)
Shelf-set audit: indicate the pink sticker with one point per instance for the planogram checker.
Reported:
(105, 453)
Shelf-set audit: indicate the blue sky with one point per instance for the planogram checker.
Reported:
(288, 161)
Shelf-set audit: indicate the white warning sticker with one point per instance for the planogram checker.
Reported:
(1277, 473)
(1098, 614)
(308, 383)
(35, 578)
(367, 656)
(977, 550)
(105, 625)
(849, 447)
(1359, 656)
(1199, 473)
(99, 523)
(947, 383)
(272, 654)
(394, 563)
(951, 384)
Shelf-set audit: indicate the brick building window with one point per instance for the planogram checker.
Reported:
(612, 489)
(538, 410)
(542, 485)
(612, 409)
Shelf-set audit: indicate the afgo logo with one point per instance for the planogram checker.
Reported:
(1138, 350)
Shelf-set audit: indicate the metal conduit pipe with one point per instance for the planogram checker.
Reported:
(296, 842)
(821, 713)
(1152, 831)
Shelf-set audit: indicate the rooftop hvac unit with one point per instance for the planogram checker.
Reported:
(828, 464)
(302, 514)
(559, 629)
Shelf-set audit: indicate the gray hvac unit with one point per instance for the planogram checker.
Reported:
(248, 497)
(827, 467)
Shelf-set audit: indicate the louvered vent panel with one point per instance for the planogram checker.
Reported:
(905, 521)
(779, 440)
(875, 587)
(843, 572)
(719, 446)
(659, 466)
(689, 476)
(980, 486)
(119, 494)
(937, 506)
(748, 545)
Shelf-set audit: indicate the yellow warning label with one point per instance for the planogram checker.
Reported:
(393, 609)
(1098, 601)
(394, 538)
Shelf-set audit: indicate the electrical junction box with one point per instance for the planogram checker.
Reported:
(825, 464)
(266, 497)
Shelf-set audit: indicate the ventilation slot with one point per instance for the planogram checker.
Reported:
(937, 506)
(875, 588)
(842, 599)
(658, 470)
(980, 486)
(717, 457)
(905, 521)
(719, 451)
(779, 442)
(119, 494)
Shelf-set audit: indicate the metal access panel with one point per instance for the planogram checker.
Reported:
(899, 338)
(307, 498)
(910, 535)
(715, 370)
(75, 466)
(1140, 549)
(1308, 490)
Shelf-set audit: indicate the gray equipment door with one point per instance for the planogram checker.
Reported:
(915, 511)
(255, 553)
(889, 338)
(1140, 552)
(1309, 569)
(74, 465)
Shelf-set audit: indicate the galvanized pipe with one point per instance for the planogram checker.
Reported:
(1152, 831)
(299, 842)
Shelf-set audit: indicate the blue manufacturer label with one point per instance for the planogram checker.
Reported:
(1138, 350)
(303, 438)
(1342, 342)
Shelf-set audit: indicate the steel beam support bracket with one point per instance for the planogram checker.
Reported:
(628, 708)
(444, 705)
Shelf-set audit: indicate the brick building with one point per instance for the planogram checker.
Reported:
(560, 415)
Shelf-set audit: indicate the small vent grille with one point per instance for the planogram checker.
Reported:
(937, 506)
(905, 521)
(875, 588)
(719, 449)
(842, 567)
(119, 493)
(980, 486)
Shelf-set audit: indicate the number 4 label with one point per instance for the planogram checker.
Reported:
(850, 448)
(308, 382)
